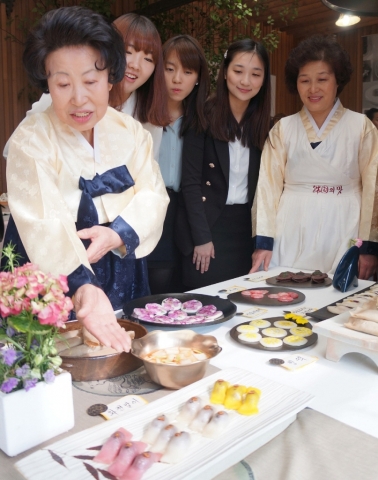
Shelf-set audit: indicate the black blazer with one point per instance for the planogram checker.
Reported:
(204, 187)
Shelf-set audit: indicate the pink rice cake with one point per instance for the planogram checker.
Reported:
(163, 319)
(143, 314)
(148, 317)
(155, 308)
(177, 315)
(191, 306)
(192, 319)
(171, 303)
(207, 310)
(213, 316)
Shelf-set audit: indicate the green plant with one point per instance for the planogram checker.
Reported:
(216, 23)
(33, 306)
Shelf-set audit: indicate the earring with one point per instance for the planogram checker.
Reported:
(197, 83)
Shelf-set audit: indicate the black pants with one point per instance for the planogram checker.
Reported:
(164, 266)
(232, 239)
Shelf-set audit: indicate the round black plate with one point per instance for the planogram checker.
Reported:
(227, 307)
(272, 281)
(266, 301)
(310, 340)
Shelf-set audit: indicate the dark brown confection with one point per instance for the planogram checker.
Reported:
(276, 361)
(284, 277)
(318, 277)
(301, 277)
(96, 409)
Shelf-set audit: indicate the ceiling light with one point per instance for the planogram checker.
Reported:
(347, 19)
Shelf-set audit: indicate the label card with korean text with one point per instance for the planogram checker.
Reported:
(255, 312)
(123, 405)
(297, 361)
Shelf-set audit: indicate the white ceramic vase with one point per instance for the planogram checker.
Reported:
(30, 418)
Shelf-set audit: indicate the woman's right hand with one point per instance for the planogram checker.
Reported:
(202, 255)
(103, 240)
(260, 257)
(95, 312)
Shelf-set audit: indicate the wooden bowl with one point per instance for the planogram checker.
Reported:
(84, 369)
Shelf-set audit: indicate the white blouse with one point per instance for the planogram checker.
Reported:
(238, 181)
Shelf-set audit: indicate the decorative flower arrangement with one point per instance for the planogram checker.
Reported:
(33, 307)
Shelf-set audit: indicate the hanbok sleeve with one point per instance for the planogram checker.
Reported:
(140, 224)
(269, 189)
(44, 222)
(368, 163)
(43, 103)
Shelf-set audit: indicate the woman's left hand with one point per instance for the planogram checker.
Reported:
(103, 240)
(367, 266)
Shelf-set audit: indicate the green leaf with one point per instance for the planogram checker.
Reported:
(25, 324)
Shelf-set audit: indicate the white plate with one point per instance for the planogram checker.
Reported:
(334, 329)
(278, 407)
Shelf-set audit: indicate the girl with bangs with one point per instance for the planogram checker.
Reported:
(141, 93)
(187, 83)
(221, 167)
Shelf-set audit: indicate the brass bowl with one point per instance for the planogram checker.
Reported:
(175, 376)
(85, 369)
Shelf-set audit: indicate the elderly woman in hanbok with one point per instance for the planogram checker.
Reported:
(85, 194)
(141, 92)
(318, 176)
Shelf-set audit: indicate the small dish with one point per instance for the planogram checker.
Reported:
(273, 281)
(238, 297)
(175, 376)
(225, 306)
(310, 340)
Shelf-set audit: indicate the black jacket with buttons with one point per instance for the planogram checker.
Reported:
(204, 187)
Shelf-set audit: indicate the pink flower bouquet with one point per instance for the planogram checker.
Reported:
(33, 307)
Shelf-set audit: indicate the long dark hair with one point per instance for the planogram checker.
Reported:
(191, 57)
(151, 97)
(254, 126)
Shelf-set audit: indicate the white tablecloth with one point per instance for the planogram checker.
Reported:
(346, 391)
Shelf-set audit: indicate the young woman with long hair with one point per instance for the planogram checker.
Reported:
(187, 83)
(221, 167)
(142, 93)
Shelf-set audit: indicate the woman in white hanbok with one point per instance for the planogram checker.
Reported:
(317, 185)
(87, 199)
(141, 92)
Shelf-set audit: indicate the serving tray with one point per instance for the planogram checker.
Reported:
(284, 347)
(278, 406)
(266, 301)
(273, 281)
(224, 305)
